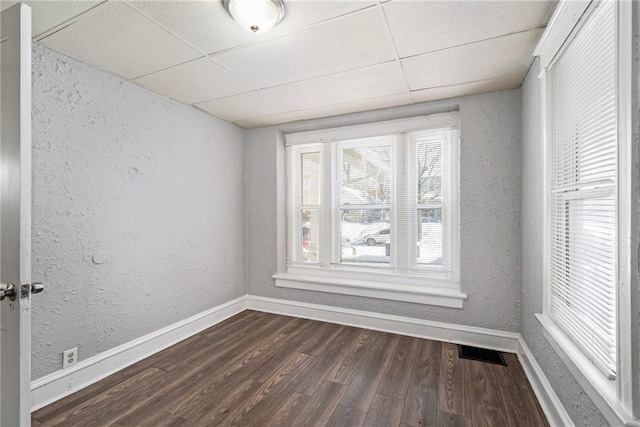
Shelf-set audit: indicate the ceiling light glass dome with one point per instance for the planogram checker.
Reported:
(256, 16)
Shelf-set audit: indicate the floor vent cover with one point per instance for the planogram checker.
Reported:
(481, 354)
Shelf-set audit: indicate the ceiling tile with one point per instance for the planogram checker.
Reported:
(244, 106)
(115, 38)
(334, 110)
(475, 88)
(426, 26)
(49, 14)
(208, 26)
(358, 106)
(484, 60)
(196, 81)
(354, 41)
(365, 83)
(269, 120)
(300, 14)
(204, 24)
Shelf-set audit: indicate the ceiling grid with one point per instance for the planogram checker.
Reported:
(325, 58)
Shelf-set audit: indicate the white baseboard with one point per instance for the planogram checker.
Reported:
(511, 342)
(439, 331)
(61, 383)
(549, 401)
(55, 386)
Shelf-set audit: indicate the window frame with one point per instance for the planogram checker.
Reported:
(618, 400)
(392, 281)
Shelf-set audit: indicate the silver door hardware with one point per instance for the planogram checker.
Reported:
(28, 289)
(8, 291)
(11, 292)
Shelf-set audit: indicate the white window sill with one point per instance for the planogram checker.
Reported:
(413, 289)
(601, 390)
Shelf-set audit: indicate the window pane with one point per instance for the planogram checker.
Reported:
(310, 235)
(430, 236)
(366, 216)
(311, 178)
(366, 176)
(586, 303)
(363, 240)
(429, 171)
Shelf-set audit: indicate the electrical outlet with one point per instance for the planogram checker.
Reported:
(69, 357)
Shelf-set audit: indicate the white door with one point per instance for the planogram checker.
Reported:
(15, 217)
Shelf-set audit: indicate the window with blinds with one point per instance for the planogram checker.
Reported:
(434, 195)
(582, 255)
(364, 176)
(381, 202)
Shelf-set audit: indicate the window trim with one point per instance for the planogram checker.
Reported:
(373, 129)
(379, 285)
(616, 400)
(419, 285)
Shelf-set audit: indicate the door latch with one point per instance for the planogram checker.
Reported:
(37, 287)
(28, 289)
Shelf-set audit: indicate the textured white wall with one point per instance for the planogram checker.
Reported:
(155, 187)
(577, 403)
(635, 245)
(490, 211)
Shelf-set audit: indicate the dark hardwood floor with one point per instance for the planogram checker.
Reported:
(259, 369)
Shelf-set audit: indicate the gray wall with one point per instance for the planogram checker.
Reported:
(635, 245)
(490, 212)
(577, 403)
(152, 185)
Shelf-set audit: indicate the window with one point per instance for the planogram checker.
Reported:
(363, 170)
(582, 251)
(375, 207)
(588, 199)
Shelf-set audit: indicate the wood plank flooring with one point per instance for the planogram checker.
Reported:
(260, 369)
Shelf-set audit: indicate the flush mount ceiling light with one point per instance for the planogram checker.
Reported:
(256, 16)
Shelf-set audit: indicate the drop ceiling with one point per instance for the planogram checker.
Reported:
(325, 58)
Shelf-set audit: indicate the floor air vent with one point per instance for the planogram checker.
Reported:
(481, 354)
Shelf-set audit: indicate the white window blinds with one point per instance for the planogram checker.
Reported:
(581, 270)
